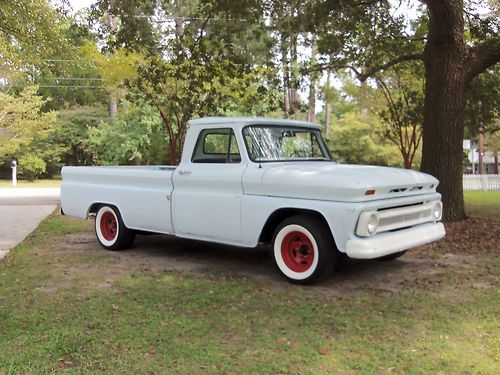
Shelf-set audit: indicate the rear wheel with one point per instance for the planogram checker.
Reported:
(303, 249)
(110, 231)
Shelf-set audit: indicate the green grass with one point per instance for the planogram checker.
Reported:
(484, 204)
(35, 184)
(169, 322)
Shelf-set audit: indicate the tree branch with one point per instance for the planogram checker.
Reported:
(369, 72)
(363, 76)
(483, 56)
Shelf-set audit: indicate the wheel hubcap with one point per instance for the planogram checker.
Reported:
(297, 251)
(109, 226)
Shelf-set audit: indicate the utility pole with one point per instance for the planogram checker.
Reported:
(481, 140)
(481, 151)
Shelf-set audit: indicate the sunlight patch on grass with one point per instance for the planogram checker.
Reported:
(484, 204)
(35, 184)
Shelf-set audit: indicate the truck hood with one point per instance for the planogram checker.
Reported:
(342, 182)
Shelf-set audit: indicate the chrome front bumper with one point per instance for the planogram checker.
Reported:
(392, 242)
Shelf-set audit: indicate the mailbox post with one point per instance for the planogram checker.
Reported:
(14, 172)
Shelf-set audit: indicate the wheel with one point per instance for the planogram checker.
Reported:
(110, 231)
(392, 256)
(304, 250)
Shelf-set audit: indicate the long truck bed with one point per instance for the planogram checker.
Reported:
(142, 193)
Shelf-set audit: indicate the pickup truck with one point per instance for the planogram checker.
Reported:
(253, 181)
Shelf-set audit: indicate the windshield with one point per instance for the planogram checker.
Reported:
(283, 143)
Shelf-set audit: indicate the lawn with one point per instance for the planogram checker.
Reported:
(35, 184)
(482, 203)
(66, 305)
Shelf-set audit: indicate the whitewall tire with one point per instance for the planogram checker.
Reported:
(110, 230)
(303, 249)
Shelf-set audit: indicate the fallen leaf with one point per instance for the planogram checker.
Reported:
(324, 351)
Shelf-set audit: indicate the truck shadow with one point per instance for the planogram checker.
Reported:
(166, 253)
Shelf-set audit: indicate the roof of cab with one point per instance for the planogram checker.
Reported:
(243, 121)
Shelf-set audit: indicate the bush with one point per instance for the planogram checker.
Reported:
(31, 167)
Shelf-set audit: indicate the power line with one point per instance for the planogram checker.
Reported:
(77, 79)
(58, 86)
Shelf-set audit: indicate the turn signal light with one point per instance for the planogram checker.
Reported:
(370, 192)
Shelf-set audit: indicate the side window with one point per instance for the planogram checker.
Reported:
(216, 146)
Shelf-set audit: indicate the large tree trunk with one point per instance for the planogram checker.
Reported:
(445, 72)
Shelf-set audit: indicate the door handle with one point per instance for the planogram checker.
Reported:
(183, 172)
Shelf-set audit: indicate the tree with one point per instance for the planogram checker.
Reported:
(114, 71)
(493, 145)
(185, 88)
(450, 65)
(483, 103)
(197, 66)
(24, 128)
(29, 34)
(357, 140)
(450, 59)
(73, 127)
(133, 137)
(403, 114)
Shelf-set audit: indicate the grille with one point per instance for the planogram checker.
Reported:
(403, 217)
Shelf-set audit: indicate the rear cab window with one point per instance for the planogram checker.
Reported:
(216, 146)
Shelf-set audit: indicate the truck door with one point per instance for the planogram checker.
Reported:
(206, 201)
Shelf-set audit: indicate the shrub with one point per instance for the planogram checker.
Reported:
(31, 167)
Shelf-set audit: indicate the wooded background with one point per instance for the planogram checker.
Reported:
(397, 83)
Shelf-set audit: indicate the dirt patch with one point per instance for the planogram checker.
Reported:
(440, 267)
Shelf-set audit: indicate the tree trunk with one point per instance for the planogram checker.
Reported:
(407, 161)
(495, 169)
(481, 151)
(328, 114)
(294, 76)
(286, 74)
(113, 104)
(444, 107)
(311, 111)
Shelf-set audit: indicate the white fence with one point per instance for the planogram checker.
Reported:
(481, 181)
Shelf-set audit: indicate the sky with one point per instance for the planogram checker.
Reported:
(79, 4)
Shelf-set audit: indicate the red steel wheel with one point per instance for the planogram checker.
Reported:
(297, 251)
(109, 226)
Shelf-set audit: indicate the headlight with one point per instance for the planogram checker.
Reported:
(367, 224)
(372, 223)
(437, 211)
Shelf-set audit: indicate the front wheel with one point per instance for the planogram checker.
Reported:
(110, 231)
(303, 249)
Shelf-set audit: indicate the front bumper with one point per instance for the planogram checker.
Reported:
(392, 242)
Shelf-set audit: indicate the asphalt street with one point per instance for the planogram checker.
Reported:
(21, 210)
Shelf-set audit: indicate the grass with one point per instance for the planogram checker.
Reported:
(169, 322)
(484, 204)
(35, 184)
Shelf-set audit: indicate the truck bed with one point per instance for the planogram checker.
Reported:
(141, 192)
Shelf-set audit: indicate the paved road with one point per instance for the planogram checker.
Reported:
(21, 210)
